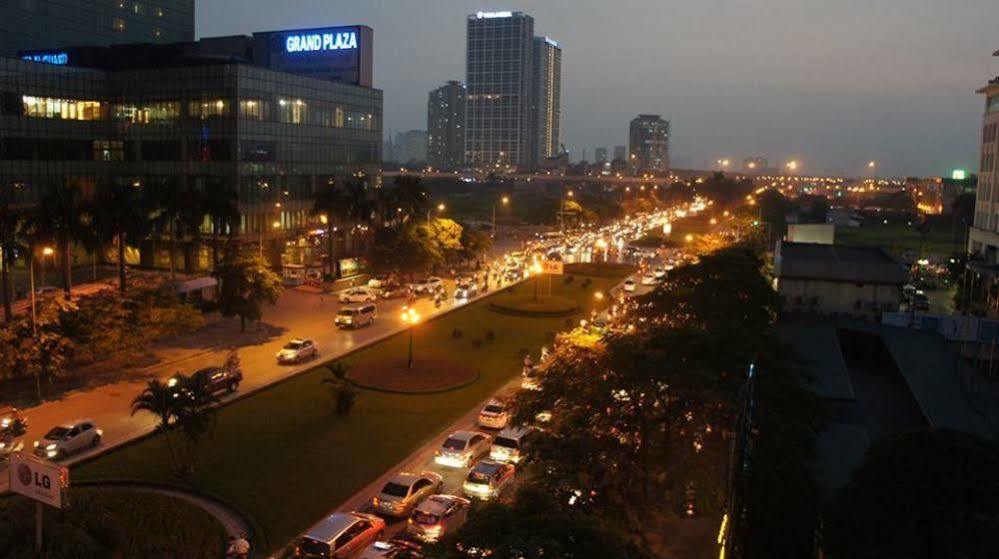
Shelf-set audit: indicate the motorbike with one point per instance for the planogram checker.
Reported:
(13, 426)
(8, 446)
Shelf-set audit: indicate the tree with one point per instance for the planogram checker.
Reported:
(119, 213)
(474, 243)
(358, 207)
(59, 217)
(159, 399)
(400, 247)
(221, 203)
(534, 526)
(177, 212)
(12, 225)
(328, 203)
(246, 285)
(442, 239)
(410, 196)
(340, 388)
(931, 493)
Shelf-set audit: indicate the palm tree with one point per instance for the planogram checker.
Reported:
(160, 400)
(12, 223)
(221, 204)
(329, 202)
(59, 217)
(358, 206)
(119, 214)
(177, 212)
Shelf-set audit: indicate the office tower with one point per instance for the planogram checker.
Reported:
(621, 152)
(983, 239)
(499, 73)
(446, 126)
(600, 155)
(546, 100)
(44, 24)
(410, 146)
(649, 144)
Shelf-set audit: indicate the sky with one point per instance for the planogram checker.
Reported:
(831, 83)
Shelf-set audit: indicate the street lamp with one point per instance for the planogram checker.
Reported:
(412, 318)
(46, 252)
(505, 200)
(536, 270)
(440, 208)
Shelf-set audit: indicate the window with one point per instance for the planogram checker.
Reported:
(292, 111)
(992, 106)
(105, 150)
(209, 109)
(65, 109)
(254, 109)
(159, 112)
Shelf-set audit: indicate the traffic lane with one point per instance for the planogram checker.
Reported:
(109, 405)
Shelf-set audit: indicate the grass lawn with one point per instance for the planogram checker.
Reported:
(899, 238)
(283, 458)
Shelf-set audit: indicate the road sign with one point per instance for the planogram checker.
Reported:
(38, 479)
(554, 267)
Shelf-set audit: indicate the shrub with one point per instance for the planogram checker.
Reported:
(490, 335)
(346, 396)
(568, 279)
(457, 333)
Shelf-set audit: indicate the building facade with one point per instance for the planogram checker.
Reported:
(546, 100)
(621, 152)
(600, 155)
(153, 116)
(446, 126)
(649, 144)
(983, 238)
(410, 146)
(499, 75)
(40, 24)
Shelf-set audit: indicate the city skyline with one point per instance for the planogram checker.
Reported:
(734, 80)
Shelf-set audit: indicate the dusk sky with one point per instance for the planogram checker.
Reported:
(832, 83)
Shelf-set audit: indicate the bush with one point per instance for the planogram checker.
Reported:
(568, 279)
(457, 333)
(490, 335)
(346, 396)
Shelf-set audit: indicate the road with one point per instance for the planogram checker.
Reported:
(297, 314)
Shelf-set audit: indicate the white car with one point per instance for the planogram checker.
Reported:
(465, 290)
(462, 449)
(488, 479)
(68, 438)
(437, 516)
(297, 350)
(358, 295)
(428, 285)
(494, 415)
(396, 548)
(400, 495)
(659, 273)
(378, 282)
(629, 285)
(648, 279)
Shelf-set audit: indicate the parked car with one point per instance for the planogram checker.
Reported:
(649, 279)
(216, 379)
(465, 290)
(510, 445)
(629, 285)
(340, 535)
(427, 285)
(68, 438)
(297, 350)
(659, 273)
(494, 415)
(396, 548)
(358, 295)
(356, 316)
(488, 479)
(379, 281)
(437, 516)
(462, 449)
(394, 292)
(405, 490)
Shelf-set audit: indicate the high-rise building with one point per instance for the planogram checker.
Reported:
(600, 155)
(499, 75)
(446, 126)
(546, 100)
(649, 144)
(984, 235)
(410, 146)
(621, 152)
(42, 24)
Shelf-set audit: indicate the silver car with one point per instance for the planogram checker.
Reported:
(436, 516)
(297, 350)
(488, 479)
(404, 491)
(68, 439)
(340, 535)
(356, 316)
(462, 449)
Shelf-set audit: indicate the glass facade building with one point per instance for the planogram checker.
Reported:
(446, 126)
(547, 103)
(39, 24)
(649, 144)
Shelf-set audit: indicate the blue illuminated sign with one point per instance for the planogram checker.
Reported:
(316, 42)
(57, 58)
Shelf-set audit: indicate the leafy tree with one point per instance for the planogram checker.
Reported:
(534, 527)
(774, 208)
(330, 202)
(402, 248)
(175, 210)
(12, 229)
(474, 243)
(340, 388)
(119, 213)
(59, 217)
(931, 493)
(159, 399)
(247, 284)
(409, 195)
(221, 204)
(442, 239)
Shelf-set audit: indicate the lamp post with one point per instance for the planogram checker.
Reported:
(536, 272)
(412, 318)
(276, 225)
(505, 200)
(440, 208)
(46, 252)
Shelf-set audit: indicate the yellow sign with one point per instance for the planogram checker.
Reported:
(554, 267)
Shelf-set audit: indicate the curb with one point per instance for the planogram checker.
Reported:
(459, 386)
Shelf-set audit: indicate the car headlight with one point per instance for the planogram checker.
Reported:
(52, 454)
(3, 446)
(36, 444)
(51, 446)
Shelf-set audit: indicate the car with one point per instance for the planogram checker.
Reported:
(488, 479)
(511, 443)
(494, 415)
(462, 448)
(217, 380)
(659, 273)
(396, 548)
(649, 279)
(340, 535)
(465, 290)
(358, 295)
(297, 350)
(394, 292)
(629, 285)
(356, 316)
(68, 438)
(404, 491)
(379, 281)
(437, 516)
(426, 285)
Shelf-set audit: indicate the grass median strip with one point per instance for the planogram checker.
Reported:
(285, 458)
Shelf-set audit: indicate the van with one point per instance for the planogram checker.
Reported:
(340, 535)
(510, 444)
(356, 316)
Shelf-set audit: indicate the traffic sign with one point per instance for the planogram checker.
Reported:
(553, 267)
(38, 479)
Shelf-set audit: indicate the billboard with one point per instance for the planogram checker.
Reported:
(38, 479)
(341, 54)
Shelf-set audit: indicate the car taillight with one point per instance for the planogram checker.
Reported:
(376, 501)
(298, 551)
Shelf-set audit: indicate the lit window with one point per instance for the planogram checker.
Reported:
(64, 109)
(209, 108)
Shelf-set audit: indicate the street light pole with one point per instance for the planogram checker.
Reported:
(409, 363)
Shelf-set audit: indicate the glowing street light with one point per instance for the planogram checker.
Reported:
(599, 295)
(412, 318)
(792, 165)
(536, 270)
(440, 209)
(688, 238)
(505, 200)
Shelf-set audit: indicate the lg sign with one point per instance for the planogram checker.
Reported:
(314, 42)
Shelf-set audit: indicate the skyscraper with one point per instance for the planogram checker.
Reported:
(546, 100)
(984, 235)
(44, 24)
(499, 75)
(410, 146)
(620, 152)
(649, 144)
(600, 155)
(446, 126)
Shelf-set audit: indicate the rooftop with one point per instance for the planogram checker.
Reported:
(838, 263)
